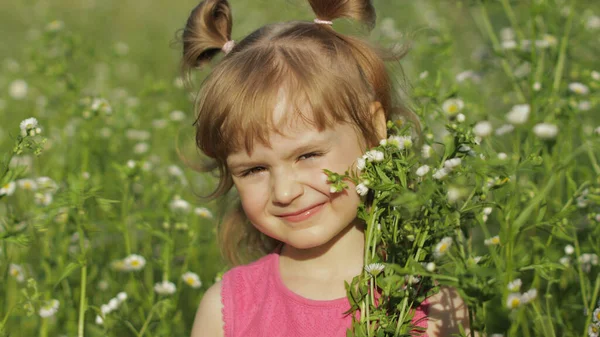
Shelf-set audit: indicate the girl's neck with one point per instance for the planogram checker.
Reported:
(341, 257)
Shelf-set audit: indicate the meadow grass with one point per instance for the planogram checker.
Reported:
(103, 232)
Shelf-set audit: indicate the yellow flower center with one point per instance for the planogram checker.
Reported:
(135, 263)
(495, 240)
(515, 303)
(14, 272)
(453, 108)
(189, 280)
(443, 247)
(5, 186)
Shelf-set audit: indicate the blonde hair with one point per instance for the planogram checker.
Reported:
(332, 76)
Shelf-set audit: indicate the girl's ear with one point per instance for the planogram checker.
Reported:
(379, 120)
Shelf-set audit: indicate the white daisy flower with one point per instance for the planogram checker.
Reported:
(579, 88)
(513, 301)
(165, 288)
(27, 125)
(134, 262)
(17, 272)
(430, 267)
(423, 75)
(423, 170)
(131, 164)
(504, 129)
(55, 26)
(141, 148)
(179, 205)
(565, 261)
(518, 114)
(18, 89)
(493, 241)
(453, 106)
(191, 279)
(461, 118)
(101, 105)
(374, 155)
(596, 315)
(569, 249)
(43, 199)
(515, 285)
(454, 194)
(537, 86)
(529, 295)
(483, 129)
(402, 142)
(105, 309)
(99, 320)
(440, 174)
(203, 212)
(509, 44)
(594, 330)
(177, 115)
(374, 268)
(122, 296)
(362, 190)
(595, 75)
(138, 135)
(8, 189)
(584, 106)
(360, 164)
(113, 304)
(442, 247)
(465, 75)
(593, 22)
(502, 156)
(160, 123)
(46, 184)
(545, 130)
(452, 163)
(507, 33)
(487, 210)
(426, 150)
(49, 308)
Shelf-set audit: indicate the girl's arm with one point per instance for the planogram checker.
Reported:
(447, 311)
(209, 318)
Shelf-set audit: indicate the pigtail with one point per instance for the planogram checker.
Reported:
(360, 10)
(206, 33)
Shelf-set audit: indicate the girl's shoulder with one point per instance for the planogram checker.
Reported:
(209, 317)
(446, 312)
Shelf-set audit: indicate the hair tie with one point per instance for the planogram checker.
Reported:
(228, 46)
(323, 22)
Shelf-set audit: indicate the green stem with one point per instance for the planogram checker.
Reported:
(124, 213)
(542, 321)
(496, 45)
(513, 20)
(82, 302)
(593, 160)
(591, 307)
(147, 322)
(563, 51)
(584, 296)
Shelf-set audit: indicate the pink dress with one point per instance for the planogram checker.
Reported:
(256, 303)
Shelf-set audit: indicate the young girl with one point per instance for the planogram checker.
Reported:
(286, 102)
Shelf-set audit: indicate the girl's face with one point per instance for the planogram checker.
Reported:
(284, 191)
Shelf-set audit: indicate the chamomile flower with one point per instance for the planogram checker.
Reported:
(593, 22)
(8, 189)
(430, 267)
(141, 148)
(122, 297)
(203, 212)
(423, 170)
(594, 330)
(454, 194)
(362, 190)
(46, 184)
(518, 114)
(374, 268)
(545, 130)
(569, 249)
(565, 261)
(427, 150)
(483, 129)
(361, 163)
(596, 315)
(374, 155)
(461, 118)
(99, 320)
(529, 296)
(537, 86)
(513, 301)
(17, 272)
(43, 199)
(177, 115)
(179, 205)
(134, 262)
(402, 142)
(49, 309)
(440, 174)
(595, 75)
(502, 156)
(493, 241)
(453, 106)
(165, 288)
(18, 89)
(191, 279)
(515, 285)
(579, 88)
(452, 163)
(442, 247)
(504, 129)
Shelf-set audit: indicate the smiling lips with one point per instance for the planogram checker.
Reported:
(303, 214)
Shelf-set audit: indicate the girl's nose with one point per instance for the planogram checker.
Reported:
(285, 187)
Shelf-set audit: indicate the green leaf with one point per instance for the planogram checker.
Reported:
(71, 267)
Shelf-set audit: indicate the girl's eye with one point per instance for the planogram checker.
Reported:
(252, 171)
(310, 155)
